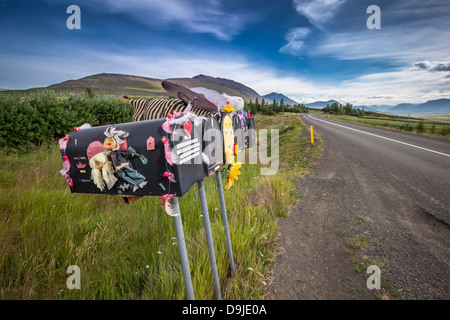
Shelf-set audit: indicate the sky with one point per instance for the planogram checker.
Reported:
(309, 50)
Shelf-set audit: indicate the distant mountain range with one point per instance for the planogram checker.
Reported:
(320, 104)
(432, 106)
(137, 86)
(277, 97)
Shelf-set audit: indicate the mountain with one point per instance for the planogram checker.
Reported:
(278, 96)
(220, 85)
(320, 104)
(376, 108)
(432, 106)
(137, 86)
(113, 84)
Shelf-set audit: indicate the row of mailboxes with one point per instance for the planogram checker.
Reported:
(138, 164)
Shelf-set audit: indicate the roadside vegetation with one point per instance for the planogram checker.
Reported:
(263, 107)
(432, 125)
(129, 251)
(41, 117)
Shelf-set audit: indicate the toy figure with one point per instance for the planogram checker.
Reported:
(102, 171)
(120, 158)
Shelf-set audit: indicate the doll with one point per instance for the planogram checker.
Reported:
(120, 158)
(102, 171)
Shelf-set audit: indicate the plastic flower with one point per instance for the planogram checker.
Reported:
(234, 172)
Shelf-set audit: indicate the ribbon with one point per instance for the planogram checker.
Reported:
(167, 206)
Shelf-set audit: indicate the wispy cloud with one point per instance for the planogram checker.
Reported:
(376, 88)
(295, 38)
(196, 16)
(410, 31)
(318, 12)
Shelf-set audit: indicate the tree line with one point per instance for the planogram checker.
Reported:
(347, 109)
(275, 107)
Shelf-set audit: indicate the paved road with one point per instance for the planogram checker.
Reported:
(378, 197)
(418, 166)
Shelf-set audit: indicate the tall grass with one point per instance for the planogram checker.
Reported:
(130, 251)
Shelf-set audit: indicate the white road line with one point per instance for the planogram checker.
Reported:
(375, 135)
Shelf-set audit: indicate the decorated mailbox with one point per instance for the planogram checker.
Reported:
(132, 158)
(164, 157)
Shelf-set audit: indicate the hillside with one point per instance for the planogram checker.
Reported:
(113, 84)
(278, 96)
(137, 86)
(220, 85)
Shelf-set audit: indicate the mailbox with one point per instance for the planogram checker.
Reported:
(212, 145)
(251, 131)
(240, 131)
(130, 159)
(229, 141)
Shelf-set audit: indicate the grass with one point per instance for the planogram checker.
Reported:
(357, 243)
(130, 251)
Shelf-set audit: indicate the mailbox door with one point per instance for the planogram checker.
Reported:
(187, 147)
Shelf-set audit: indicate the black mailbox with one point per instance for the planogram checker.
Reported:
(136, 162)
(212, 145)
(251, 131)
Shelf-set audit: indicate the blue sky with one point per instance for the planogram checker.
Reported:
(308, 50)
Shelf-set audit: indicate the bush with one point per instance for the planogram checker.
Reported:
(445, 130)
(420, 127)
(42, 116)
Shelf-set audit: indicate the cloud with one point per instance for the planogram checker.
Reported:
(432, 66)
(295, 38)
(410, 31)
(398, 86)
(195, 16)
(317, 12)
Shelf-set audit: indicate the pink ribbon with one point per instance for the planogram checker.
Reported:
(167, 206)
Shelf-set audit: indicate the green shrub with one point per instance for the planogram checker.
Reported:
(420, 127)
(42, 116)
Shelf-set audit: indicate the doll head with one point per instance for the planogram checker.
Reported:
(114, 138)
(235, 101)
(109, 144)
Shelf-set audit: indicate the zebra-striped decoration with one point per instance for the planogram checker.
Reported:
(160, 108)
